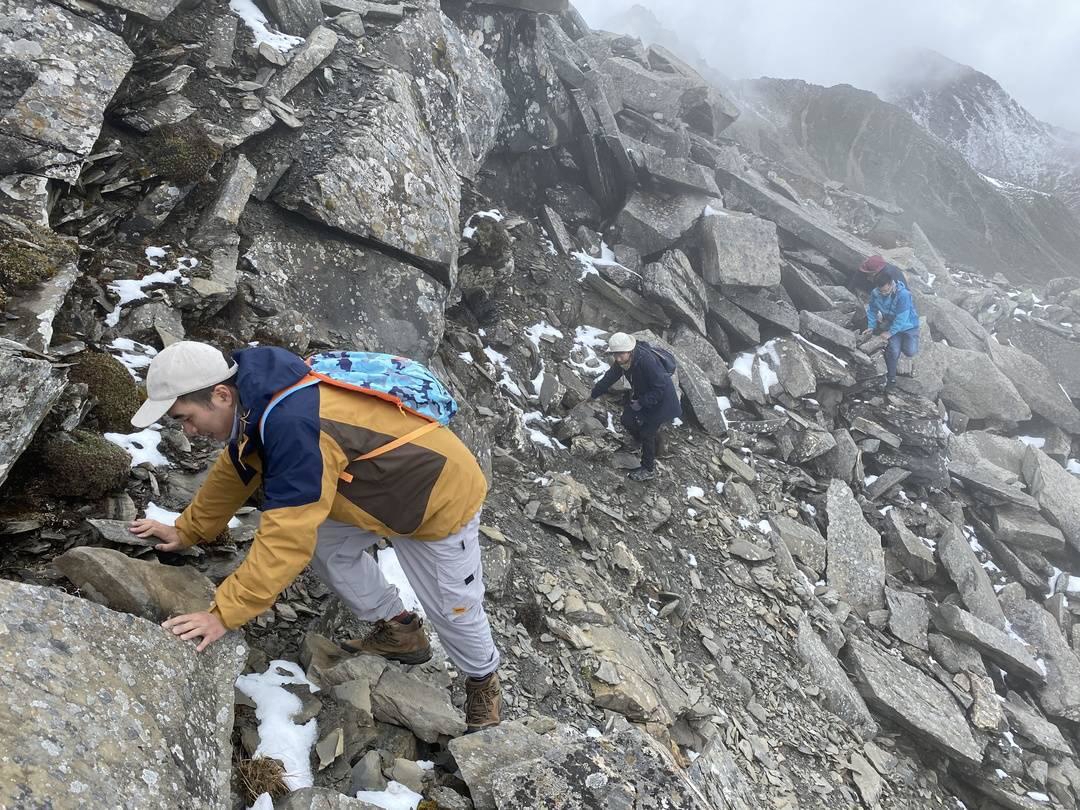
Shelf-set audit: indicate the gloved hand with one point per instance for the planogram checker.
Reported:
(635, 405)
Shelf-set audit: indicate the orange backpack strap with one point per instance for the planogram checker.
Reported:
(411, 436)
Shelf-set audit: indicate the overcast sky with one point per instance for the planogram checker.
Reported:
(1032, 47)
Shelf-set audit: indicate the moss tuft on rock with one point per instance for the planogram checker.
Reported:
(82, 464)
(29, 254)
(110, 383)
(182, 153)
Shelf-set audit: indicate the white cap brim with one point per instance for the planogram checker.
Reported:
(151, 411)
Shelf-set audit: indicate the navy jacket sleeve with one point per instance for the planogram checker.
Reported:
(608, 380)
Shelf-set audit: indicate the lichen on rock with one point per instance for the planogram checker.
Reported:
(28, 254)
(181, 152)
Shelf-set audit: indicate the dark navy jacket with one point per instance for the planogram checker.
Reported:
(650, 382)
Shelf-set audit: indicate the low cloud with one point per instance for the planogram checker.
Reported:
(1028, 46)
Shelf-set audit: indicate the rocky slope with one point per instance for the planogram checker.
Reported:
(972, 113)
(831, 597)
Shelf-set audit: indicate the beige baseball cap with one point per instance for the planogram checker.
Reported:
(182, 368)
(621, 342)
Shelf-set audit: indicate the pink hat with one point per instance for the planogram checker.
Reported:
(872, 265)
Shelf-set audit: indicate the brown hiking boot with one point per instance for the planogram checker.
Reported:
(398, 641)
(483, 702)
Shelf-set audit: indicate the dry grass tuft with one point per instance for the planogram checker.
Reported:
(261, 775)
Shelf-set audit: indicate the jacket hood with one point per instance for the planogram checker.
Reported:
(263, 372)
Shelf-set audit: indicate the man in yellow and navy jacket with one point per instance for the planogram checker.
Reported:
(325, 507)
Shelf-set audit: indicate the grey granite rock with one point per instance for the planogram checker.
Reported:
(913, 700)
(144, 588)
(1027, 529)
(688, 342)
(652, 222)
(406, 701)
(1007, 652)
(31, 386)
(319, 44)
(92, 712)
(63, 69)
(481, 754)
(320, 798)
(672, 283)
(909, 617)
(1057, 491)
(1060, 695)
(970, 578)
(856, 566)
(804, 542)
(738, 249)
(840, 696)
(973, 384)
(915, 555)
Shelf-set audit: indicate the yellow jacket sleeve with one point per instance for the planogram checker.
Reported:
(215, 503)
(283, 546)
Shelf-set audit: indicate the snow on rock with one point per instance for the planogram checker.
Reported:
(162, 515)
(133, 355)
(133, 289)
(695, 492)
(583, 355)
(141, 446)
(540, 330)
(256, 21)
(470, 230)
(395, 797)
(279, 737)
(391, 569)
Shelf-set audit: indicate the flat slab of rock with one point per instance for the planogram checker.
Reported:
(973, 384)
(1057, 353)
(989, 485)
(92, 713)
(144, 588)
(317, 798)
(817, 328)
(1037, 386)
(970, 577)
(68, 69)
(914, 701)
(856, 564)
(644, 690)
(1027, 529)
(909, 549)
(804, 542)
(672, 283)
(653, 222)
(1028, 723)
(1060, 695)
(405, 701)
(1057, 491)
(909, 617)
(481, 754)
(688, 342)
(841, 696)
(739, 249)
(1007, 652)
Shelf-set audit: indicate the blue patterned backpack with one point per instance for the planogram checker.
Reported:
(399, 380)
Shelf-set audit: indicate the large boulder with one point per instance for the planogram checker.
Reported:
(672, 283)
(652, 222)
(427, 120)
(338, 293)
(974, 385)
(689, 343)
(841, 697)
(1058, 354)
(92, 712)
(913, 700)
(971, 580)
(1036, 384)
(738, 249)
(144, 588)
(1057, 491)
(60, 71)
(856, 564)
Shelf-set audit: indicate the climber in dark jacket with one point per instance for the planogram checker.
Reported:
(653, 400)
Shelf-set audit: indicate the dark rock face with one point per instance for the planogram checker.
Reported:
(61, 651)
(840, 133)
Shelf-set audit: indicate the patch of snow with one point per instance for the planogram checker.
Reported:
(391, 569)
(720, 487)
(691, 560)
(425, 764)
(611, 424)
(1073, 466)
(744, 365)
(593, 733)
(695, 492)
(764, 527)
(1000, 773)
(583, 354)
(133, 355)
(247, 11)
(1037, 796)
(279, 737)
(45, 326)
(141, 446)
(1033, 441)
(540, 330)
(132, 289)
(590, 263)
(821, 349)
(691, 512)
(466, 356)
(868, 480)
(264, 802)
(724, 404)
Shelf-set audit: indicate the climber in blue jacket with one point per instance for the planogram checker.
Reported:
(891, 312)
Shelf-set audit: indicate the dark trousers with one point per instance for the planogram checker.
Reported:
(643, 428)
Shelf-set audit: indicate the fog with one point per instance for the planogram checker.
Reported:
(1031, 47)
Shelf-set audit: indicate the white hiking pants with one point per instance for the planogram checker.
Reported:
(447, 576)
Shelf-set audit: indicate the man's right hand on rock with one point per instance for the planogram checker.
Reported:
(144, 527)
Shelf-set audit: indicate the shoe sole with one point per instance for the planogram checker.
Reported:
(418, 657)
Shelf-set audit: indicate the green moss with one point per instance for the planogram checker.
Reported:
(112, 386)
(83, 465)
(29, 256)
(182, 153)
